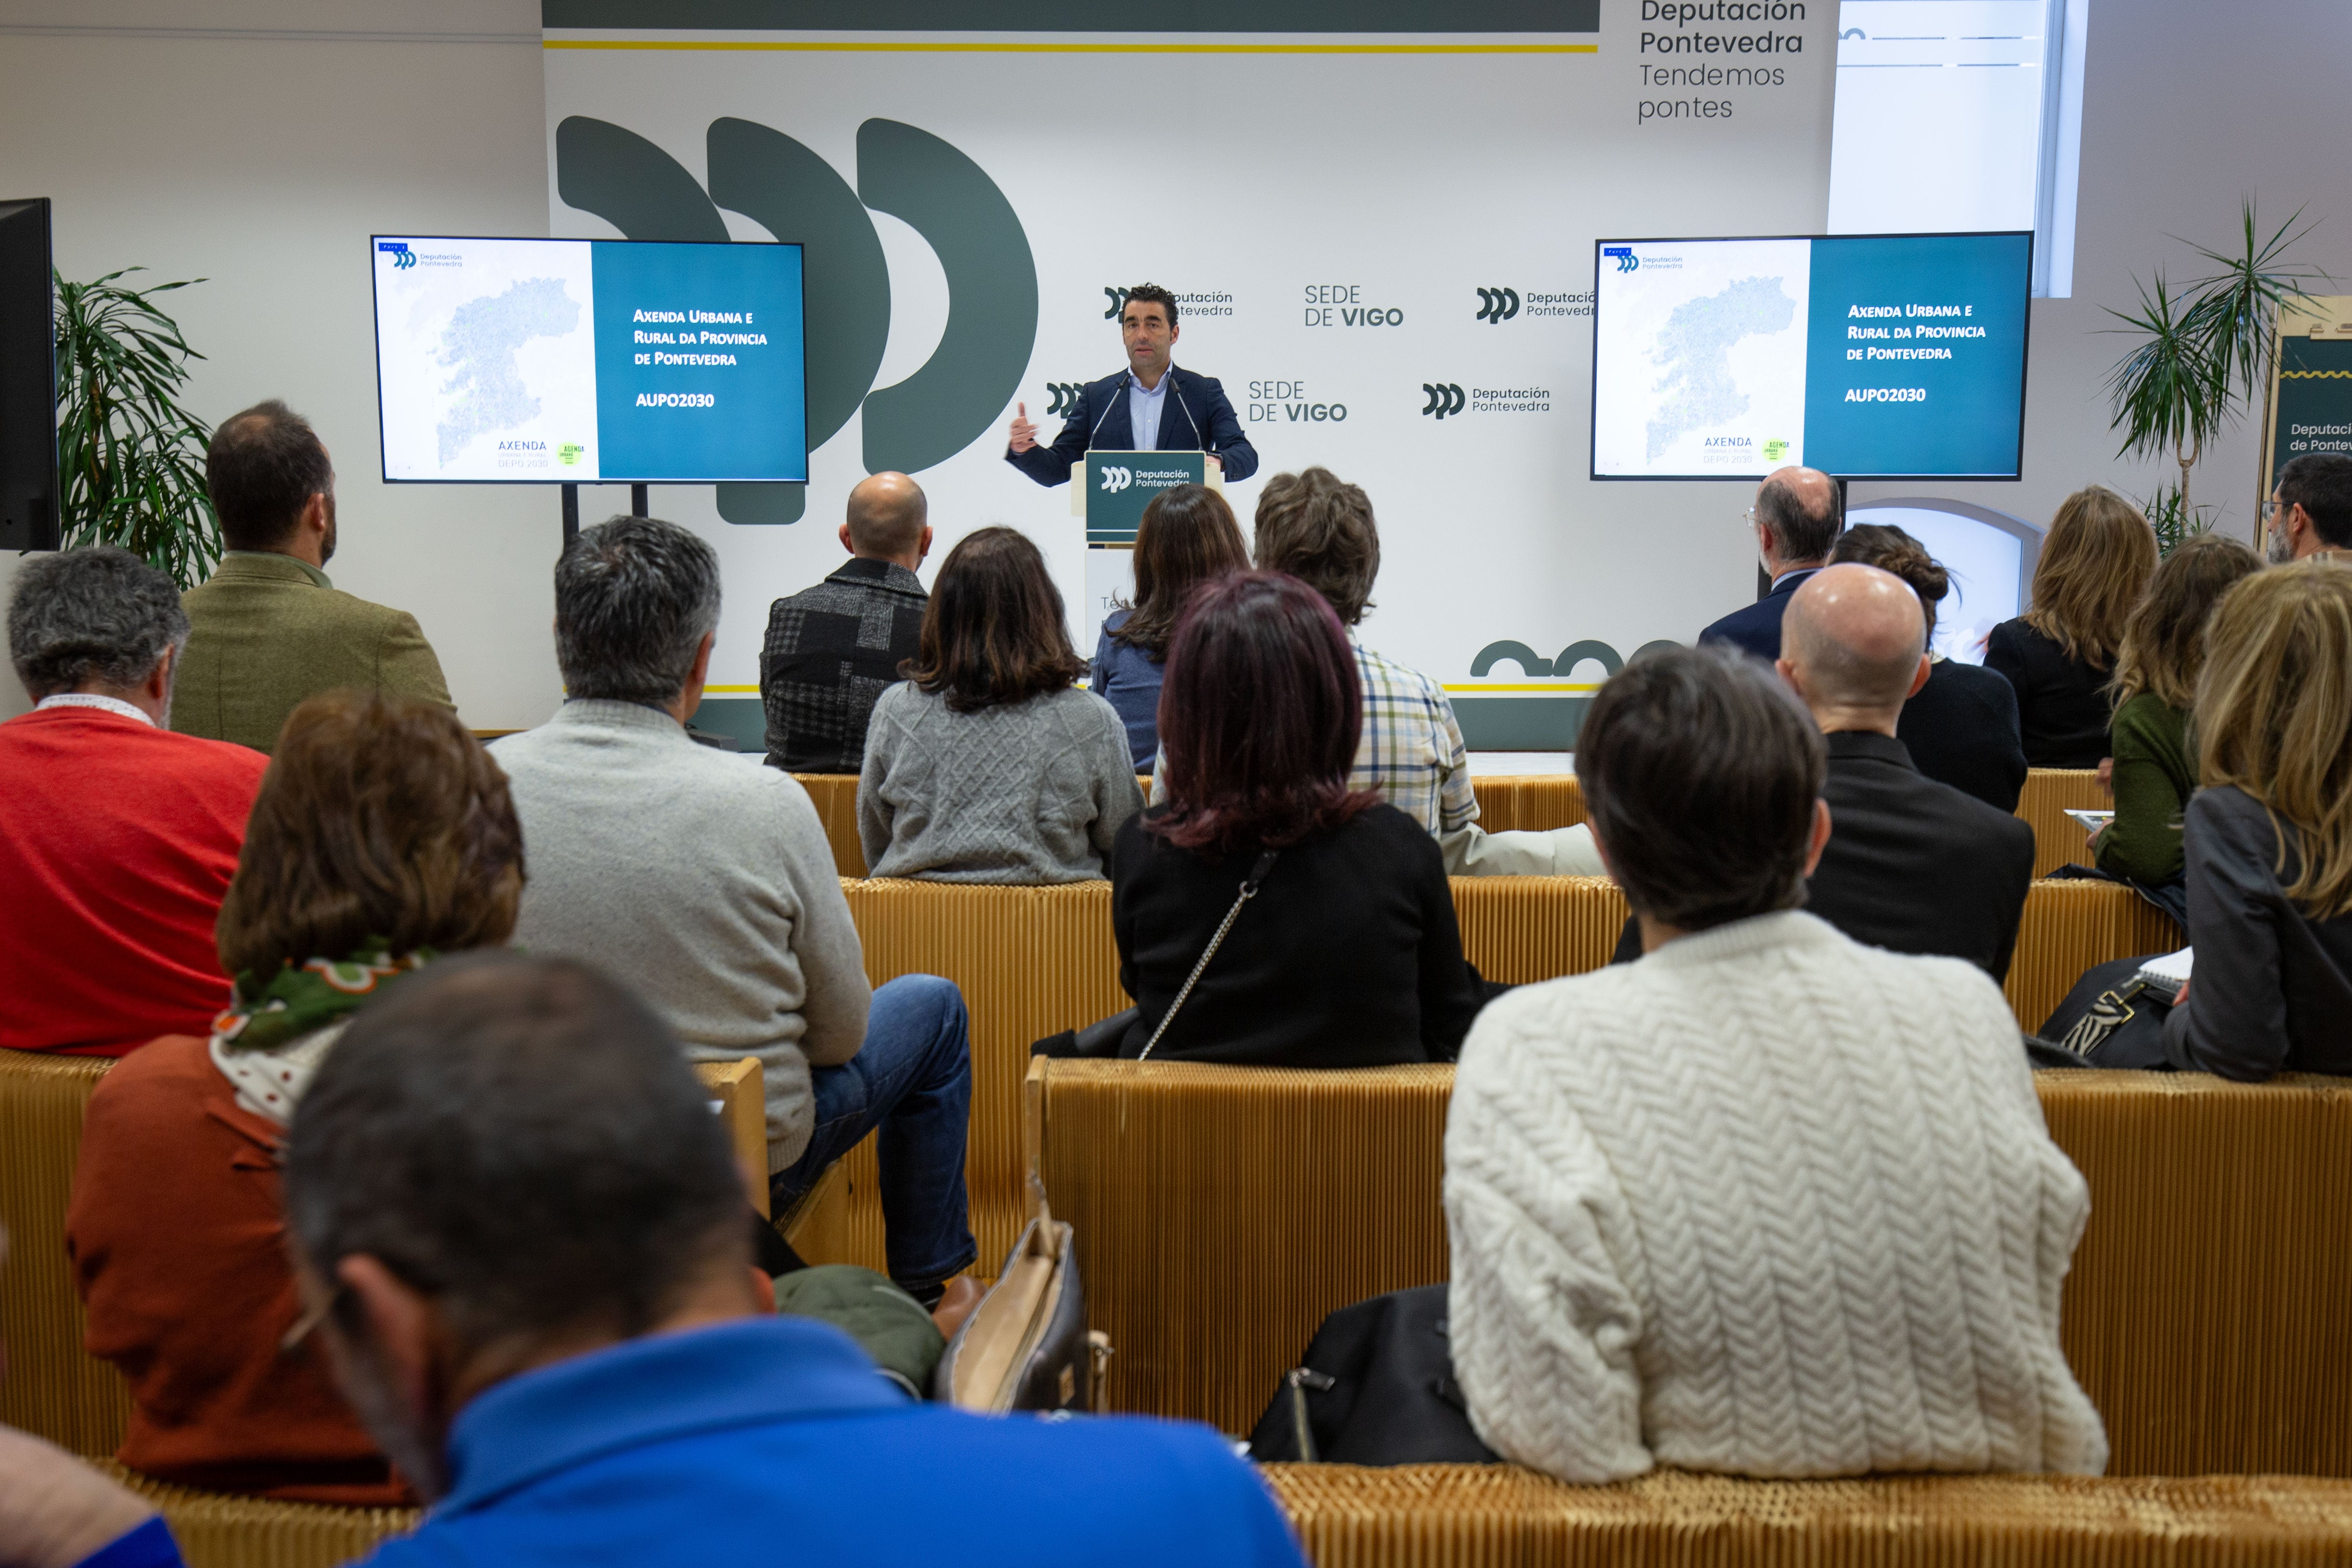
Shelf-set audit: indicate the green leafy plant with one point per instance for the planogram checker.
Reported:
(2205, 350)
(2173, 520)
(131, 459)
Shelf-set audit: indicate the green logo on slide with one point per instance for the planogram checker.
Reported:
(794, 194)
(569, 453)
(1775, 450)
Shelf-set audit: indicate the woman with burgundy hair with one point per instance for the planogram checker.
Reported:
(1346, 952)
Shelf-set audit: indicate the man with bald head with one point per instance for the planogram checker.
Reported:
(1796, 518)
(1912, 865)
(832, 649)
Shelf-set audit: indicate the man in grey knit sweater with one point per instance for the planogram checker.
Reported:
(705, 881)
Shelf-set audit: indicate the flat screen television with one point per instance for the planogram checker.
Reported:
(29, 379)
(589, 361)
(1865, 356)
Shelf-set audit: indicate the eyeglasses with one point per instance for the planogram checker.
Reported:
(2270, 508)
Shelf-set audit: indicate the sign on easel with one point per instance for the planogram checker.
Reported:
(2311, 385)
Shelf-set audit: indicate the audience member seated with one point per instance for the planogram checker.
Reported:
(2058, 656)
(1961, 727)
(2310, 513)
(117, 837)
(2156, 667)
(270, 630)
(1319, 529)
(382, 837)
(989, 764)
(706, 883)
(1346, 953)
(1187, 534)
(1767, 1202)
(2269, 838)
(1912, 866)
(1796, 517)
(520, 1228)
(834, 648)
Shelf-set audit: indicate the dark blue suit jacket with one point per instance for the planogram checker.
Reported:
(1193, 417)
(1757, 628)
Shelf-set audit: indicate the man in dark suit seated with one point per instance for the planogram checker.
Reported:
(1912, 866)
(1796, 518)
(1150, 407)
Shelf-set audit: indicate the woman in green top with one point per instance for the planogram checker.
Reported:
(2156, 677)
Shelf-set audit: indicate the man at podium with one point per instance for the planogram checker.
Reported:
(1152, 406)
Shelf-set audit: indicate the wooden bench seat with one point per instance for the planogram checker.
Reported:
(1222, 1213)
(1499, 1516)
(1539, 801)
(52, 1387)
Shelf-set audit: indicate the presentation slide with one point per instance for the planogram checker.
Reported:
(581, 361)
(1893, 356)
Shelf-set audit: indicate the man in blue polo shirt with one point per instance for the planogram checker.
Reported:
(522, 1234)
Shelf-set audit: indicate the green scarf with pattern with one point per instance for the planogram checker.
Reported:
(299, 1000)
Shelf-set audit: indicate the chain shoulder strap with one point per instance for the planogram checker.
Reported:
(1249, 891)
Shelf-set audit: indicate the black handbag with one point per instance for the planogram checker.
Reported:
(2113, 1018)
(1377, 1389)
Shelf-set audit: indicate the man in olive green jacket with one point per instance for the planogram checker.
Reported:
(268, 630)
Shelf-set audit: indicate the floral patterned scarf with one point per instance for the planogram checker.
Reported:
(270, 1039)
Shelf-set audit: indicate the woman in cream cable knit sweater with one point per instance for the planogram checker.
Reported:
(1766, 1201)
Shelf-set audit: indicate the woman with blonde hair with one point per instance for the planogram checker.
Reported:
(2155, 688)
(2268, 840)
(2095, 563)
(382, 836)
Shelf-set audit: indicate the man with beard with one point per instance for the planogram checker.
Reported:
(2310, 511)
(521, 1231)
(268, 630)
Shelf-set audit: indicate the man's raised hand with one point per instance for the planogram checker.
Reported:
(1024, 434)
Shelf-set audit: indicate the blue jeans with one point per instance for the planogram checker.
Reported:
(912, 1078)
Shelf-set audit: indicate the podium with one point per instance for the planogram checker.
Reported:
(1110, 490)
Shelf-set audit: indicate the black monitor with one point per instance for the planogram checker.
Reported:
(29, 379)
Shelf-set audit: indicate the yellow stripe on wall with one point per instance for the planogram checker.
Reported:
(1551, 687)
(836, 46)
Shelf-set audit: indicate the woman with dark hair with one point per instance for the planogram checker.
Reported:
(1961, 727)
(2163, 653)
(1346, 953)
(1188, 535)
(2059, 655)
(1707, 1207)
(987, 763)
(382, 836)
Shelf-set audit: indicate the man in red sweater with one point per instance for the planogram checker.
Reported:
(118, 837)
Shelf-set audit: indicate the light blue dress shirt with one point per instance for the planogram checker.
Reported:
(1143, 409)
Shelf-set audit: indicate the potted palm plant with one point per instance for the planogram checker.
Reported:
(2202, 353)
(131, 459)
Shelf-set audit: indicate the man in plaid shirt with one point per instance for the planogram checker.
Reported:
(832, 649)
(1320, 529)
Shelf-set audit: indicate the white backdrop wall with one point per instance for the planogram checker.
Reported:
(260, 141)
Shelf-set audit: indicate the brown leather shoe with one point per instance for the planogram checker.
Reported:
(960, 1299)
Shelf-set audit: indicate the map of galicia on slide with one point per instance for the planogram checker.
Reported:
(479, 348)
(1699, 358)
(1693, 348)
(486, 357)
